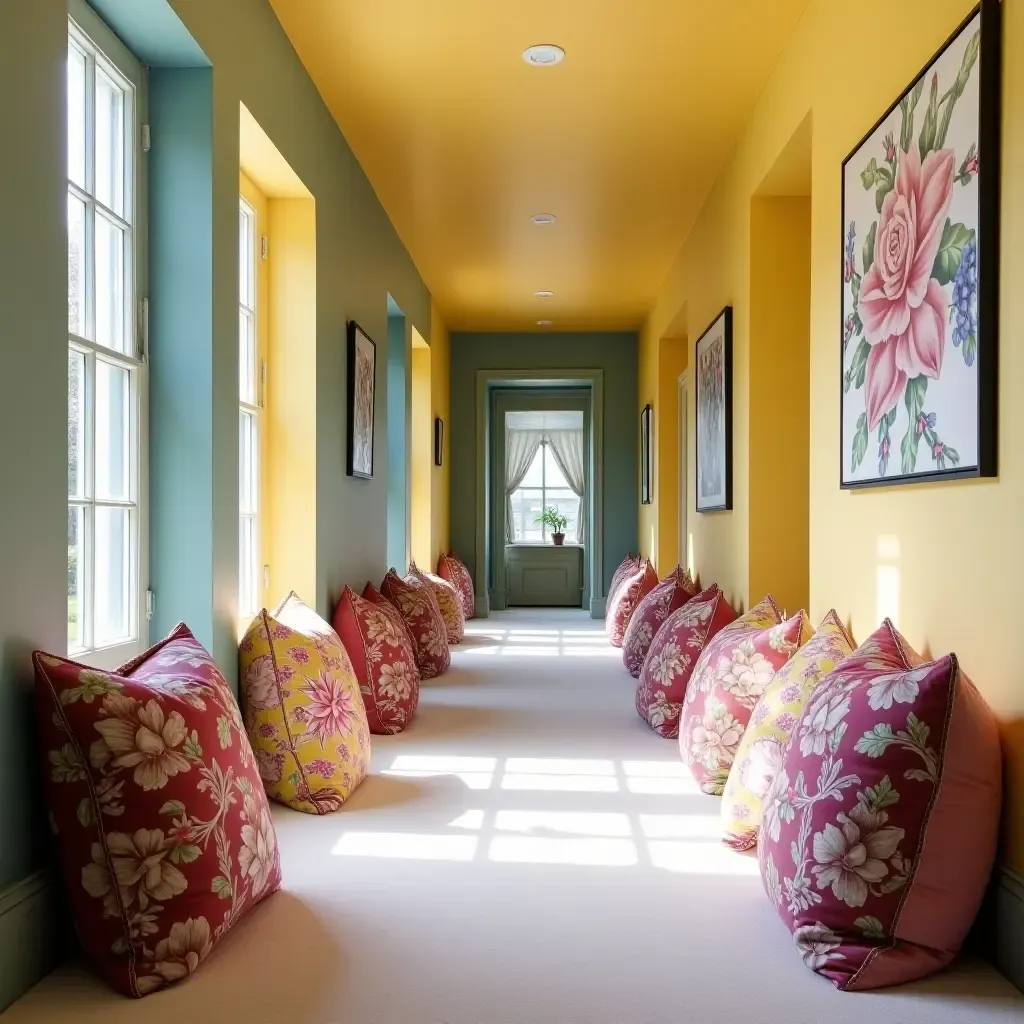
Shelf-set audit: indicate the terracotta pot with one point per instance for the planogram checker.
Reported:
(558, 538)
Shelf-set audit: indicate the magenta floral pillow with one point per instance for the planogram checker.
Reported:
(879, 832)
(671, 593)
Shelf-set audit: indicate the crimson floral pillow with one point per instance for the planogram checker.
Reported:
(671, 593)
(422, 615)
(164, 830)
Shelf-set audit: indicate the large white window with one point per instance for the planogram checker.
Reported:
(106, 362)
(248, 417)
(543, 485)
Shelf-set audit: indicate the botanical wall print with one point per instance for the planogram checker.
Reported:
(714, 415)
(646, 455)
(920, 271)
(362, 369)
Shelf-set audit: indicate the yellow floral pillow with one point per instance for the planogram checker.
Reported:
(777, 714)
(303, 711)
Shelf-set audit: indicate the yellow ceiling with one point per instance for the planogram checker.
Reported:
(463, 141)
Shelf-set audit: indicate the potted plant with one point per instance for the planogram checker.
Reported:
(553, 518)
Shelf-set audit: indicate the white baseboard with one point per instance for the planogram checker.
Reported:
(1008, 925)
(483, 605)
(27, 942)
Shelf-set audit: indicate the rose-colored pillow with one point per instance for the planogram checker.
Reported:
(673, 654)
(879, 833)
(379, 648)
(448, 601)
(454, 571)
(419, 608)
(733, 672)
(671, 593)
(628, 565)
(374, 596)
(164, 830)
(631, 591)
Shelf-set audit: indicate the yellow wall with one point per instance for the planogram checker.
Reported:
(671, 363)
(780, 322)
(946, 554)
(440, 386)
(291, 399)
(421, 456)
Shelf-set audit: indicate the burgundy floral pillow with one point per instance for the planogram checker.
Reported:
(879, 832)
(628, 565)
(671, 593)
(164, 830)
(419, 608)
(673, 655)
(631, 591)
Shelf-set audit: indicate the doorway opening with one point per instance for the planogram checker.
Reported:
(399, 400)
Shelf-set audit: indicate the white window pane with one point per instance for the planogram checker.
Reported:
(76, 116)
(245, 256)
(248, 549)
(76, 266)
(110, 284)
(113, 426)
(110, 143)
(76, 570)
(535, 474)
(553, 476)
(246, 357)
(112, 568)
(248, 447)
(76, 424)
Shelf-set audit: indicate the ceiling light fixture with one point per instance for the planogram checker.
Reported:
(543, 218)
(544, 294)
(545, 323)
(544, 55)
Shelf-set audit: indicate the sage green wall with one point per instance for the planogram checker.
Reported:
(616, 355)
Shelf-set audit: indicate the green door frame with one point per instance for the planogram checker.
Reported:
(488, 380)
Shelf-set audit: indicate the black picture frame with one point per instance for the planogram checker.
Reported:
(646, 455)
(362, 401)
(438, 441)
(719, 500)
(987, 168)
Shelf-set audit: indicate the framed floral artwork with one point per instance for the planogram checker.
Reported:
(714, 415)
(362, 371)
(920, 274)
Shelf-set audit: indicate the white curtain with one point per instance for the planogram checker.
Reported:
(567, 448)
(520, 448)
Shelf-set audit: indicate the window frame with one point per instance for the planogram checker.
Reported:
(89, 34)
(543, 490)
(250, 407)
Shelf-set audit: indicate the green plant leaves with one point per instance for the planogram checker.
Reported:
(917, 388)
(870, 928)
(221, 886)
(930, 125)
(858, 367)
(880, 796)
(962, 76)
(951, 250)
(868, 252)
(907, 107)
(184, 853)
(860, 442)
(876, 742)
(175, 808)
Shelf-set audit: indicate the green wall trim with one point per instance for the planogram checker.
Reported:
(26, 941)
(486, 380)
(152, 31)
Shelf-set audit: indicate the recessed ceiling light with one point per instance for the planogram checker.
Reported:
(543, 294)
(543, 218)
(544, 55)
(545, 323)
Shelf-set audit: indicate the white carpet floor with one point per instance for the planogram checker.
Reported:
(529, 852)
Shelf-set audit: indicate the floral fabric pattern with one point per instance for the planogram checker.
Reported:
(625, 568)
(671, 593)
(631, 591)
(777, 714)
(673, 654)
(455, 572)
(421, 613)
(845, 819)
(310, 714)
(379, 648)
(164, 830)
(448, 601)
(733, 672)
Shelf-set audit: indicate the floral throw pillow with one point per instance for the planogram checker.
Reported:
(775, 717)
(165, 834)
(734, 670)
(417, 605)
(671, 593)
(448, 601)
(879, 832)
(455, 572)
(303, 709)
(628, 565)
(673, 654)
(631, 591)
(379, 648)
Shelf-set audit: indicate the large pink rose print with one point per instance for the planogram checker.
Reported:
(902, 306)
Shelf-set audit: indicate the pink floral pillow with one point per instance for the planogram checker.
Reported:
(632, 590)
(733, 672)
(422, 614)
(380, 650)
(628, 565)
(879, 833)
(164, 830)
(673, 654)
(454, 571)
(671, 593)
